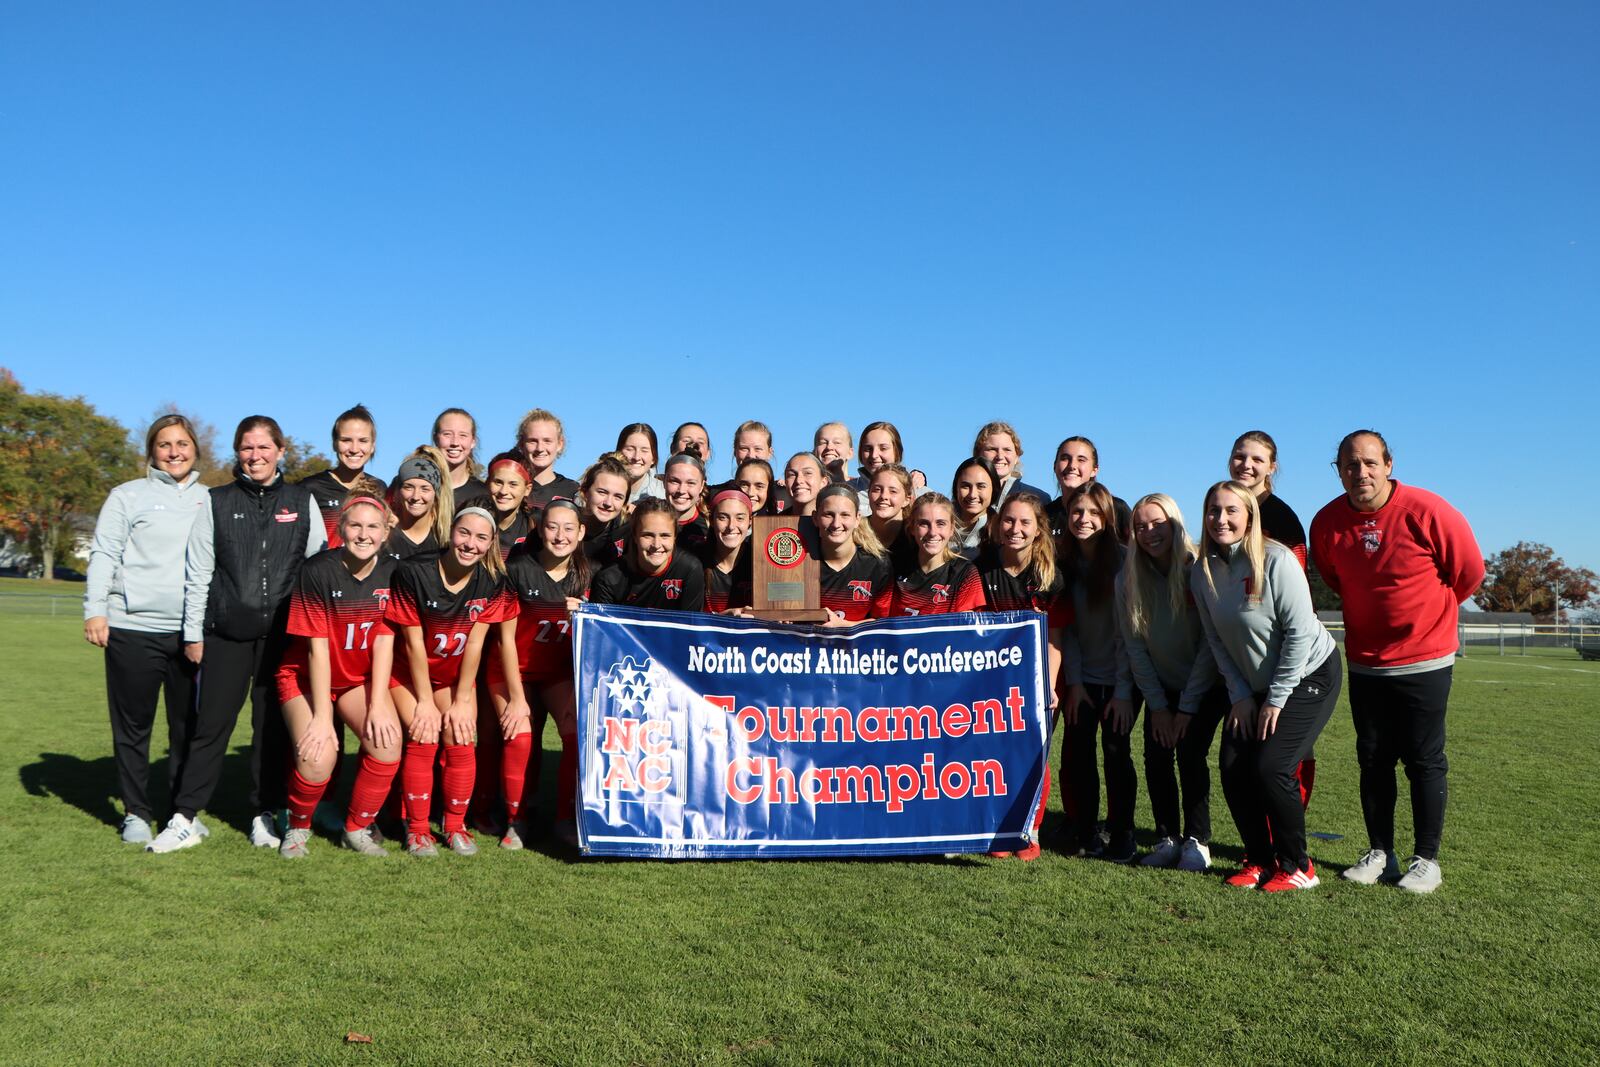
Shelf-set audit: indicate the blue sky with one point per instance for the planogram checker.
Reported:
(1157, 225)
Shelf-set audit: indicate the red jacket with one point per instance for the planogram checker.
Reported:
(1402, 571)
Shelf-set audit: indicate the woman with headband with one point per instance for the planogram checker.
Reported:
(728, 567)
(240, 565)
(338, 670)
(853, 566)
(441, 610)
(684, 478)
(355, 439)
(133, 608)
(510, 482)
(651, 573)
(423, 504)
(549, 582)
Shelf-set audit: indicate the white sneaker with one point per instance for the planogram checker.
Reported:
(295, 844)
(363, 841)
(1422, 876)
(264, 831)
(1194, 856)
(1165, 854)
(180, 832)
(135, 831)
(1374, 866)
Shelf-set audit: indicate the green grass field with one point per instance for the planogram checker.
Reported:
(223, 954)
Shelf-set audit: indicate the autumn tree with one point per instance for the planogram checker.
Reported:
(58, 460)
(1530, 577)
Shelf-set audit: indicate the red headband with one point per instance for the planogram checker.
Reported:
(522, 467)
(353, 501)
(734, 494)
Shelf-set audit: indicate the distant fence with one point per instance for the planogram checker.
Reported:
(1515, 639)
(50, 604)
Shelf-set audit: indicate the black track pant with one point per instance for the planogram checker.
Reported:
(1193, 773)
(229, 671)
(139, 667)
(1401, 718)
(1082, 775)
(1258, 777)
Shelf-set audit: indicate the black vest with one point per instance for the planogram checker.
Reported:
(259, 535)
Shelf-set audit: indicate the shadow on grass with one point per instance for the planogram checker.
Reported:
(91, 786)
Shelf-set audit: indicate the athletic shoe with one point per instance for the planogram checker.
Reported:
(181, 832)
(512, 840)
(1282, 881)
(294, 843)
(421, 846)
(1001, 854)
(135, 831)
(461, 843)
(1195, 856)
(1029, 854)
(1165, 854)
(363, 841)
(1250, 876)
(1422, 876)
(264, 831)
(1121, 849)
(1375, 865)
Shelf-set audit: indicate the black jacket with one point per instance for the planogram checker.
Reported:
(259, 536)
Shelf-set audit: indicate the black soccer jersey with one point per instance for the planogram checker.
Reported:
(950, 587)
(681, 587)
(329, 496)
(329, 602)
(519, 532)
(473, 493)
(401, 547)
(1279, 522)
(902, 554)
(563, 488)
(544, 642)
(604, 546)
(694, 538)
(729, 589)
(1004, 591)
(861, 589)
(419, 598)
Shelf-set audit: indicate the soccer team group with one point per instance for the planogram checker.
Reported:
(429, 616)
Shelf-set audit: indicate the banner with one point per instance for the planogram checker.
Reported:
(705, 736)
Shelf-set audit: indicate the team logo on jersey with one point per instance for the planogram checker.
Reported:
(477, 607)
(860, 590)
(941, 593)
(382, 597)
(618, 543)
(287, 516)
(1371, 540)
(785, 549)
(671, 587)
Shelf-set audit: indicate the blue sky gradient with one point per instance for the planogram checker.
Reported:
(1155, 225)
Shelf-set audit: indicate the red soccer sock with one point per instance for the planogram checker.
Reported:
(373, 781)
(460, 768)
(567, 777)
(514, 771)
(416, 782)
(303, 797)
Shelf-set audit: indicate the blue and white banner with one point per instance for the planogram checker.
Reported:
(707, 736)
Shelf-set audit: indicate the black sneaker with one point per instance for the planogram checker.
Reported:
(1121, 849)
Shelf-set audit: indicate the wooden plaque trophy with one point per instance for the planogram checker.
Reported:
(785, 583)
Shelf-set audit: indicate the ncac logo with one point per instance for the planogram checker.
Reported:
(671, 587)
(860, 590)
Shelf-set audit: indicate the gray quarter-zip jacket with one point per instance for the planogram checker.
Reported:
(136, 559)
(1269, 646)
(1172, 655)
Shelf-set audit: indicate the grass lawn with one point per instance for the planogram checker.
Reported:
(223, 954)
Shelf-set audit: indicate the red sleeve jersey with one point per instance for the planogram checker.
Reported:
(419, 598)
(1402, 571)
(1004, 591)
(950, 587)
(329, 496)
(329, 602)
(861, 589)
(680, 587)
(1279, 522)
(544, 626)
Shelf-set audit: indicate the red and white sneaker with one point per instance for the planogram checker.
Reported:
(1283, 881)
(1250, 876)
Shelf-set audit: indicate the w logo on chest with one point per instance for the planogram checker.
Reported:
(941, 593)
(860, 590)
(671, 587)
